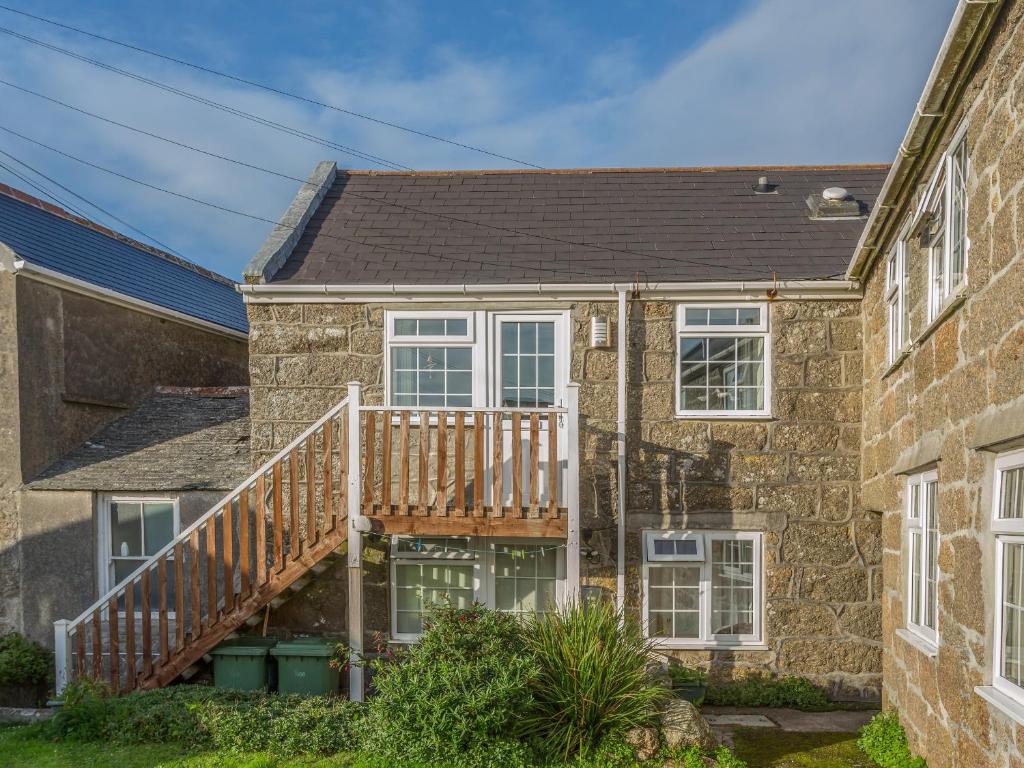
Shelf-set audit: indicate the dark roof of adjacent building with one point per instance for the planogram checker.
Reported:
(179, 439)
(47, 236)
(591, 225)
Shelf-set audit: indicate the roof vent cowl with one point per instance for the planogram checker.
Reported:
(835, 203)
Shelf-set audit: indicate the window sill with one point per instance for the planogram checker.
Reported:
(676, 645)
(954, 303)
(931, 650)
(898, 362)
(718, 416)
(1008, 705)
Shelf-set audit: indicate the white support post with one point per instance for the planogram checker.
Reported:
(62, 654)
(355, 545)
(572, 495)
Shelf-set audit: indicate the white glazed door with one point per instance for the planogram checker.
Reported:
(530, 370)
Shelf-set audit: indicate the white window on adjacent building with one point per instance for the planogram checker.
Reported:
(431, 359)
(1008, 529)
(944, 234)
(702, 589)
(897, 277)
(131, 530)
(724, 362)
(922, 551)
(522, 577)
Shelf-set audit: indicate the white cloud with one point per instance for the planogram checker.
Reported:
(790, 81)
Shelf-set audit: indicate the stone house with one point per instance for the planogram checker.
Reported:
(942, 270)
(91, 323)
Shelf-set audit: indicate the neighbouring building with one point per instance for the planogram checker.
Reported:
(942, 268)
(91, 323)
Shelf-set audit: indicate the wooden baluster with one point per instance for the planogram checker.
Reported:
(114, 644)
(328, 471)
(211, 571)
(147, 625)
(129, 635)
(243, 545)
(497, 468)
(97, 644)
(479, 463)
(196, 627)
(311, 532)
(161, 587)
(403, 463)
(460, 463)
(371, 456)
(534, 465)
(553, 465)
(385, 463)
(260, 521)
(441, 500)
(424, 464)
(80, 649)
(228, 545)
(517, 464)
(179, 597)
(294, 539)
(278, 502)
(343, 465)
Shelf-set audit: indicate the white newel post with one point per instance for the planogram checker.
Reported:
(355, 545)
(61, 654)
(572, 495)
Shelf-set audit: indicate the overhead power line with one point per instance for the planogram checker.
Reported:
(370, 198)
(269, 88)
(85, 200)
(287, 129)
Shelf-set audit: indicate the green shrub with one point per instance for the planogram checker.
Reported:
(682, 675)
(24, 661)
(456, 695)
(592, 681)
(200, 716)
(793, 692)
(885, 742)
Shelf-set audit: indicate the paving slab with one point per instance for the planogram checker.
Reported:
(842, 721)
(730, 720)
(24, 715)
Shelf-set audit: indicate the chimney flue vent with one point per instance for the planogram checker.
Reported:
(762, 187)
(835, 203)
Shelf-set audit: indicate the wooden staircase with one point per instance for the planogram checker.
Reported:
(254, 548)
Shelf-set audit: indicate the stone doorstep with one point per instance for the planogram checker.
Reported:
(728, 718)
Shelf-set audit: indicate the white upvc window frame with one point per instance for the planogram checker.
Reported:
(1006, 532)
(473, 340)
(946, 189)
(919, 554)
(897, 306)
(761, 330)
(480, 552)
(104, 535)
(706, 640)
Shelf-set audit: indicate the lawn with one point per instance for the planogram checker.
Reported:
(770, 748)
(24, 748)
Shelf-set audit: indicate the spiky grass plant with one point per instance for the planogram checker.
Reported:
(592, 680)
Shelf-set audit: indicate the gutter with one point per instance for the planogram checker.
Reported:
(60, 280)
(753, 290)
(967, 33)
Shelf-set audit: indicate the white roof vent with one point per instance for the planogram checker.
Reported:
(835, 193)
(835, 203)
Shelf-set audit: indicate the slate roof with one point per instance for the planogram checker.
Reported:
(176, 440)
(596, 226)
(48, 236)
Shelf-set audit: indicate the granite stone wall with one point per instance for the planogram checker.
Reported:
(10, 457)
(963, 375)
(794, 477)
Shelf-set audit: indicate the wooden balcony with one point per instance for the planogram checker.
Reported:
(466, 471)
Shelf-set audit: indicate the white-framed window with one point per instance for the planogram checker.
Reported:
(944, 234)
(131, 529)
(897, 279)
(520, 576)
(724, 366)
(1008, 530)
(921, 527)
(702, 588)
(432, 359)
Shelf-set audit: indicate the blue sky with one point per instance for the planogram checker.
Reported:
(631, 83)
